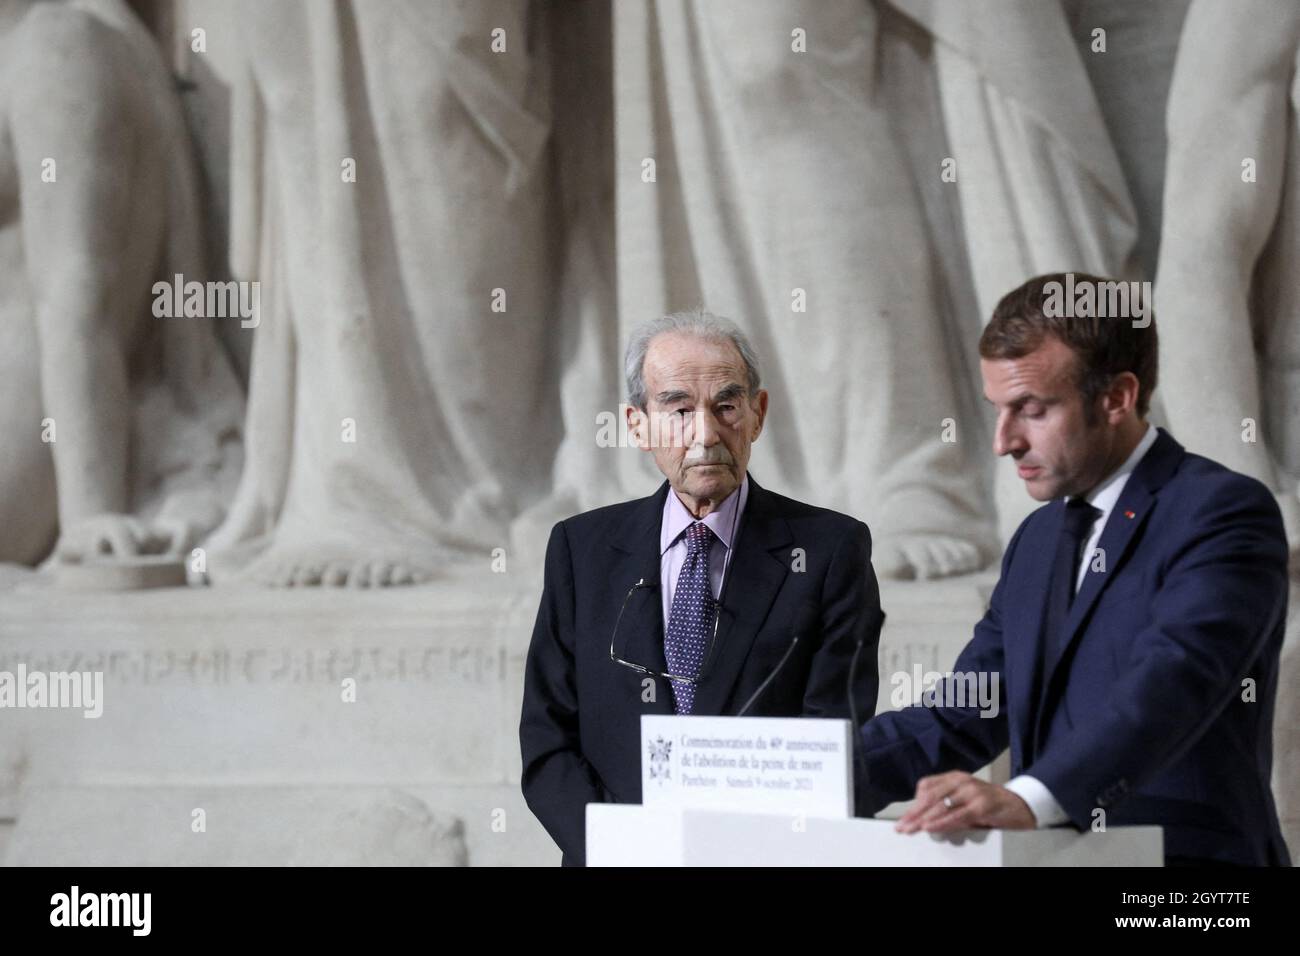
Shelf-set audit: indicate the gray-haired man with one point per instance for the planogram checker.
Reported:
(706, 589)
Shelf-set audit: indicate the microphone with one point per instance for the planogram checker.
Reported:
(808, 615)
(776, 670)
(649, 574)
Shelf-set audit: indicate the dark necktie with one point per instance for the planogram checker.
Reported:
(690, 620)
(1079, 519)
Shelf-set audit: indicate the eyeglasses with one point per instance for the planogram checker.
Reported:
(641, 668)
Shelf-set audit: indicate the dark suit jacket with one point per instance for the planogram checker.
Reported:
(1141, 712)
(580, 729)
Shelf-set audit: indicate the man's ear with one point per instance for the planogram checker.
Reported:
(638, 427)
(1120, 398)
(759, 406)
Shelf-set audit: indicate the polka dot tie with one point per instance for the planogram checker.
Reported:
(690, 621)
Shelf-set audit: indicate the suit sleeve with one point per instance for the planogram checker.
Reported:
(902, 746)
(557, 780)
(1224, 593)
(850, 613)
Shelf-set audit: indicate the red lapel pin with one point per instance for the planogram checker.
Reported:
(1129, 514)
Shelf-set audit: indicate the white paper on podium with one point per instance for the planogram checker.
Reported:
(784, 765)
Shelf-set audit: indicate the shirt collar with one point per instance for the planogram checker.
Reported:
(722, 520)
(1106, 495)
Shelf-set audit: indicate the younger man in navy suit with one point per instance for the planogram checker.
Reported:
(1137, 623)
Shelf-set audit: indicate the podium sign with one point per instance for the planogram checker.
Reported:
(786, 765)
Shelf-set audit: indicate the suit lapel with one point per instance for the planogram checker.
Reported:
(634, 556)
(1126, 519)
(1025, 691)
(758, 568)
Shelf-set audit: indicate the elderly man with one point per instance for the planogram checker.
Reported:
(688, 601)
(1136, 626)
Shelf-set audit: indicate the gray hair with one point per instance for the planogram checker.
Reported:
(697, 322)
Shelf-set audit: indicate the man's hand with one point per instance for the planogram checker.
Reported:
(958, 801)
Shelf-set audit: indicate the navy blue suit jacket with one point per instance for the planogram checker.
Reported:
(580, 731)
(1140, 713)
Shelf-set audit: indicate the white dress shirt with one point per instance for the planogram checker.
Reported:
(722, 521)
(1047, 812)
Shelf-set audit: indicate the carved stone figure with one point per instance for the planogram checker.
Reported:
(1038, 185)
(760, 174)
(1228, 292)
(389, 193)
(120, 429)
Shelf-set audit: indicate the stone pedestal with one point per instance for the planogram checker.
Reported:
(384, 723)
(233, 826)
(268, 705)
